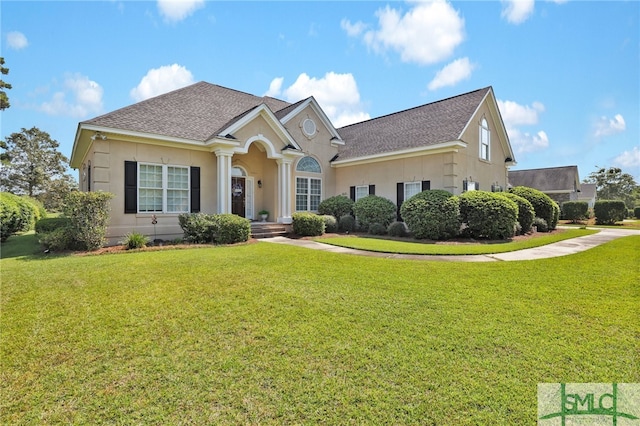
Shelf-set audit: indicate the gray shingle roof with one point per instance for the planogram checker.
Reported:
(546, 179)
(195, 112)
(430, 124)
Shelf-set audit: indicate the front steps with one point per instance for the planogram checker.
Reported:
(267, 230)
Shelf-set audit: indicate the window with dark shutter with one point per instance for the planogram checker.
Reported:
(130, 187)
(399, 198)
(426, 185)
(372, 190)
(352, 193)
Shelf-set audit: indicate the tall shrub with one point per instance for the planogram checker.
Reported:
(336, 206)
(575, 210)
(18, 214)
(432, 214)
(526, 213)
(608, 212)
(487, 215)
(374, 209)
(89, 215)
(543, 206)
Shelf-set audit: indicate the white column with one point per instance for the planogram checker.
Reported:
(224, 181)
(284, 190)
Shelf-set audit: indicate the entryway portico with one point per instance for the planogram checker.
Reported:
(236, 186)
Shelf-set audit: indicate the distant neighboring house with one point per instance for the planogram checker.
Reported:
(207, 148)
(560, 183)
(588, 193)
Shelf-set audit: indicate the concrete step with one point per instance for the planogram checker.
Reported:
(267, 230)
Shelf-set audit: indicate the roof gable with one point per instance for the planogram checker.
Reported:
(547, 179)
(427, 125)
(292, 111)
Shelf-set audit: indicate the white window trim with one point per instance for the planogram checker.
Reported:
(366, 190)
(419, 183)
(165, 183)
(484, 126)
(308, 179)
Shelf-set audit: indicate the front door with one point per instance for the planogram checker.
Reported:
(238, 196)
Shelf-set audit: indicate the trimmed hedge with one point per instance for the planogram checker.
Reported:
(432, 214)
(636, 212)
(487, 215)
(374, 209)
(575, 210)
(543, 206)
(337, 206)
(377, 229)
(397, 229)
(526, 212)
(608, 212)
(201, 228)
(308, 224)
(346, 223)
(18, 214)
(89, 215)
(330, 223)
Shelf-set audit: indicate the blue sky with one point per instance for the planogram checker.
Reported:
(566, 73)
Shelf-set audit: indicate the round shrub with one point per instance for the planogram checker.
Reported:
(346, 223)
(308, 224)
(540, 224)
(18, 214)
(198, 228)
(374, 209)
(432, 214)
(636, 212)
(525, 212)
(337, 206)
(330, 223)
(487, 215)
(397, 229)
(377, 229)
(608, 212)
(59, 239)
(543, 205)
(575, 210)
(230, 228)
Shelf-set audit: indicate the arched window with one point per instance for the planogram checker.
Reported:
(485, 139)
(308, 164)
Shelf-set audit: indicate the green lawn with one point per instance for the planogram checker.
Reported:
(271, 334)
(385, 245)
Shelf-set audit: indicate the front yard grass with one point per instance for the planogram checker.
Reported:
(387, 245)
(270, 334)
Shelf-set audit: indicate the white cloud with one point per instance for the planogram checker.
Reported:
(16, 40)
(337, 95)
(609, 126)
(514, 116)
(177, 10)
(352, 30)
(86, 98)
(456, 71)
(275, 88)
(628, 159)
(517, 11)
(428, 33)
(161, 80)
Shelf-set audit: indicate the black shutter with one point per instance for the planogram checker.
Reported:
(352, 193)
(399, 198)
(372, 190)
(89, 177)
(426, 185)
(195, 189)
(130, 187)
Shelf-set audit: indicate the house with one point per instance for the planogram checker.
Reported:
(207, 148)
(559, 183)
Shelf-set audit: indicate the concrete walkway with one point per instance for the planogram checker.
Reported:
(561, 248)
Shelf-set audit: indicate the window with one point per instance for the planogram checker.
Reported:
(361, 192)
(485, 140)
(163, 189)
(411, 189)
(308, 193)
(308, 164)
